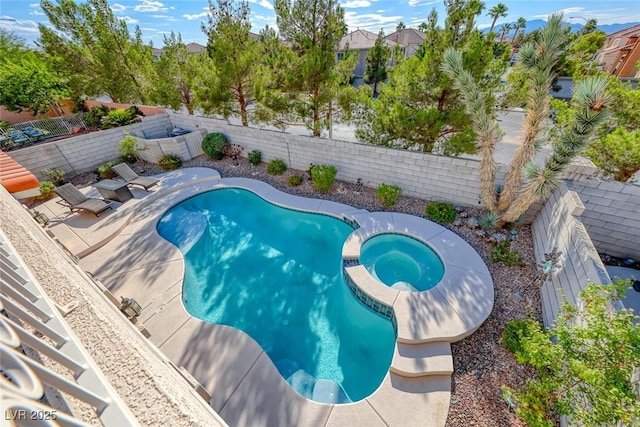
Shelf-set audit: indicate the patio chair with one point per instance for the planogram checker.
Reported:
(124, 171)
(76, 200)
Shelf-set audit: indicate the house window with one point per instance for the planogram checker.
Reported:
(340, 56)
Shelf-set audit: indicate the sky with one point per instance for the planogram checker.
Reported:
(157, 18)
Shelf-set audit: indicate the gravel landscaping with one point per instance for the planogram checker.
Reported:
(481, 364)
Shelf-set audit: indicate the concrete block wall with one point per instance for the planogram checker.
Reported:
(423, 175)
(612, 216)
(85, 152)
(559, 225)
(185, 146)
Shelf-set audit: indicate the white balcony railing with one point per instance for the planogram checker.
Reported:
(33, 330)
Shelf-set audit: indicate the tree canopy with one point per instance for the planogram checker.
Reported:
(97, 50)
(419, 107)
(377, 62)
(227, 85)
(28, 78)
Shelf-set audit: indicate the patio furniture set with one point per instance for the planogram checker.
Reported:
(109, 189)
(12, 137)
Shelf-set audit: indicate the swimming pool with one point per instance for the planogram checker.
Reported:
(401, 262)
(276, 274)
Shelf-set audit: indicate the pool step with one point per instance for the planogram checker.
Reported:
(418, 360)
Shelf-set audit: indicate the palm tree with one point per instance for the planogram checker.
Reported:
(423, 27)
(497, 11)
(504, 29)
(520, 24)
(538, 58)
(400, 26)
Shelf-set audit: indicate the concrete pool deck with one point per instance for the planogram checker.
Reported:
(123, 250)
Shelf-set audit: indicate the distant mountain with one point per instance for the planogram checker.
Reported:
(539, 23)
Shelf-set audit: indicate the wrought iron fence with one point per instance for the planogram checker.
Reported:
(25, 133)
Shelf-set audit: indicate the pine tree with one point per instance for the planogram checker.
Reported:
(377, 61)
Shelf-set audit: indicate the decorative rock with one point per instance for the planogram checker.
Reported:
(481, 233)
(457, 222)
(463, 215)
(498, 237)
(473, 222)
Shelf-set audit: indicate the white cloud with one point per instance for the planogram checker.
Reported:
(604, 17)
(35, 9)
(370, 21)
(196, 16)
(264, 3)
(129, 20)
(165, 17)
(422, 2)
(355, 3)
(150, 6)
(19, 26)
(117, 7)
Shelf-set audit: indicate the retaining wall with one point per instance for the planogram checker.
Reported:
(559, 225)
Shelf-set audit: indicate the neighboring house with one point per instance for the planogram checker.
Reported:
(410, 39)
(621, 52)
(191, 48)
(361, 41)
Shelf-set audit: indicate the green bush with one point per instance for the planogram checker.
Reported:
(56, 175)
(129, 148)
(46, 190)
(118, 117)
(170, 162)
(215, 145)
(502, 253)
(105, 170)
(323, 177)
(255, 157)
(276, 167)
(295, 180)
(616, 154)
(4, 124)
(440, 212)
(515, 332)
(93, 118)
(388, 194)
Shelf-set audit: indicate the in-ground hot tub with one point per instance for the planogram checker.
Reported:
(402, 262)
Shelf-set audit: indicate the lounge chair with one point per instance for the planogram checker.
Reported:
(76, 200)
(124, 171)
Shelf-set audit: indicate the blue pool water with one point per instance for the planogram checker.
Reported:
(401, 262)
(276, 274)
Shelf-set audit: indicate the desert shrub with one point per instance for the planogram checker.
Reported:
(388, 194)
(170, 162)
(488, 221)
(502, 253)
(129, 148)
(117, 117)
(93, 118)
(276, 167)
(46, 190)
(295, 180)
(323, 177)
(515, 332)
(4, 124)
(105, 170)
(255, 157)
(440, 212)
(56, 175)
(214, 145)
